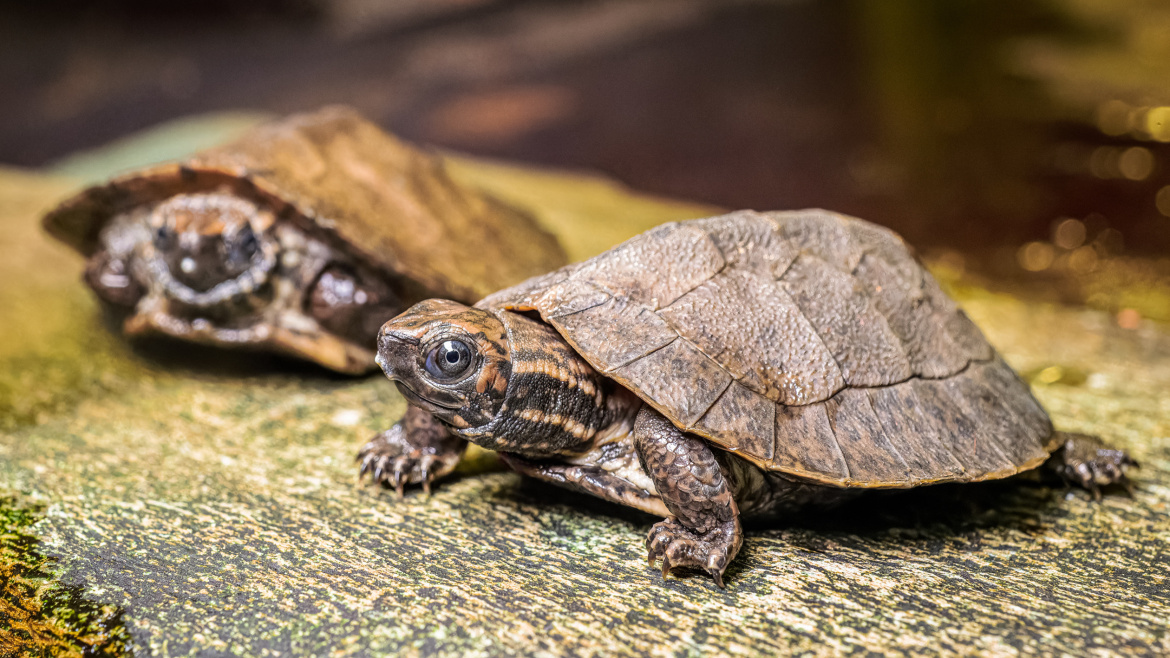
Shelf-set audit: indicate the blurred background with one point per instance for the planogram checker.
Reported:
(1024, 143)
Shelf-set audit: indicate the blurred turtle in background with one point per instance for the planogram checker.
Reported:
(302, 238)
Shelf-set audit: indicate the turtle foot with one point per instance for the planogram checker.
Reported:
(393, 459)
(1088, 463)
(681, 547)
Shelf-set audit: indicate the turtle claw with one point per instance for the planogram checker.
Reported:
(367, 463)
(681, 547)
(401, 475)
(394, 461)
(426, 474)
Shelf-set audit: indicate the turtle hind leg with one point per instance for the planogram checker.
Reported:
(417, 450)
(1085, 461)
(704, 531)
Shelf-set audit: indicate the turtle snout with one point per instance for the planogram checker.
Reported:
(203, 262)
(394, 351)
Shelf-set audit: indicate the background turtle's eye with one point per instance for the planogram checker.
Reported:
(162, 237)
(243, 246)
(450, 360)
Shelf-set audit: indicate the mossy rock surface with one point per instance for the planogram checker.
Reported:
(212, 497)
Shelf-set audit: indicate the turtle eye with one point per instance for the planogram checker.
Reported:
(450, 360)
(162, 237)
(244, 246)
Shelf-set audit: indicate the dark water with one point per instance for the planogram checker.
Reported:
(973, 126)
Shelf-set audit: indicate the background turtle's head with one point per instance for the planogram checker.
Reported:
(450, 359)
(212, 246)
(219, 268)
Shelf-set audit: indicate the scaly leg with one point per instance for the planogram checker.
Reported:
(703, 531)
(417, 450)
(110, 278)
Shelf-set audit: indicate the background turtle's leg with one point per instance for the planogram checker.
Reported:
(350, 307)
(417, 450)
(704, 531)
(1087, 462)
(110, 278)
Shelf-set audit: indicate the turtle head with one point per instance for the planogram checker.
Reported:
(220, 268)
(209, 248)
(449, 359)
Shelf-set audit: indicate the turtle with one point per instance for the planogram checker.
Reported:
(302, 237)
(750, 365)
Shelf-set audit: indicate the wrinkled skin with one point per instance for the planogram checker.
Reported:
(510, 383)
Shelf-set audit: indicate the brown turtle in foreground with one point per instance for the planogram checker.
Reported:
(302, 237)
(749, 364)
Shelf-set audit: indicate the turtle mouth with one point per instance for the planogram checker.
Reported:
(393, 349)
(156, 318)
(323, 348)
(153, 267)
(420, 401)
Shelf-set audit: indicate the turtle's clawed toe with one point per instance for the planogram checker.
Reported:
(427, 471)
(392, 461)
(680, 547)
(402, 468)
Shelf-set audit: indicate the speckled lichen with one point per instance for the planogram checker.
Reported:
(214, 500)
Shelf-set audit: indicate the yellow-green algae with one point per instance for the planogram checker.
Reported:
(39, 615)
(211, 497)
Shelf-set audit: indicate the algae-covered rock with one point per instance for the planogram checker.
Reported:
(213, 498)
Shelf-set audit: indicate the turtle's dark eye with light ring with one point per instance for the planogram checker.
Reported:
(450, 360)
(245, 245)
(162, 237)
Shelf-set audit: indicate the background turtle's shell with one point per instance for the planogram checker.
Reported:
(808, 342)
(360, 189)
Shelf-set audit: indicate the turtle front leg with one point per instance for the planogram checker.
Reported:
(110, 278)
(1085, 461)
(417, 450)
(703, 531)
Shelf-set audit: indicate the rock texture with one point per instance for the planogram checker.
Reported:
(213, 498)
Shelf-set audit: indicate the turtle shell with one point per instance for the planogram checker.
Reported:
(807, 342)
(344, 180)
